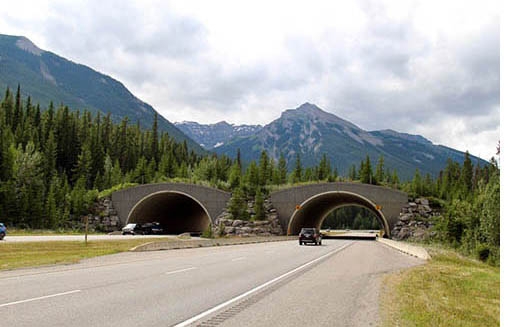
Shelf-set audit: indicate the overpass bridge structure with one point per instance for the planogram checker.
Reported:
(191, 208)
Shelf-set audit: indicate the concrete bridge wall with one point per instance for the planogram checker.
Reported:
(213, 200)
(391, 201)
(318, 200)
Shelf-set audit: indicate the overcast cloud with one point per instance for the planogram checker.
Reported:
(421, 67)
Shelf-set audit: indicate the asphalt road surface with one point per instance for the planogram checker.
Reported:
(97, 237)
(278, 284)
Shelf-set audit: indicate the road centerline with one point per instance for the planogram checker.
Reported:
(179, 270)
(39, 298)
(247, 293)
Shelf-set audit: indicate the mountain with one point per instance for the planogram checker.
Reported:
(48, 77)
(313, 132)
(213, 135)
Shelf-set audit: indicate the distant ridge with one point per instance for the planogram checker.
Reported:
(312, 132)
(47, 77)
(211, 136)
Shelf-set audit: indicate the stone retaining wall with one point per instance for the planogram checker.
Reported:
(104, 217)
(415, 221)
(227, 226)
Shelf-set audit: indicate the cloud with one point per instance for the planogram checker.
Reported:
(414, 66)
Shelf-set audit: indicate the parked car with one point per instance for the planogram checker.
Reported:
(143, 229)
(153, 228)
(3, 231)
(310, 235)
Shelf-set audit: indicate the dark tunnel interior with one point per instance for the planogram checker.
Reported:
(176, 212)
(315, 210)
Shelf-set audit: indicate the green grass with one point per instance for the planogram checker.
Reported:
(47, 232)
(31, 254)
(450, 290)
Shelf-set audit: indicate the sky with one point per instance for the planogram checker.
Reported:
(420, 67)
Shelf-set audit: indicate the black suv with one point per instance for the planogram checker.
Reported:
(310, 235)
(146, 228)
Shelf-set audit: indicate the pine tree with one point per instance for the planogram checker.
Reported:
(237, 206)
(297, 170)
(379, 170)
(235, 176)
(467, 174)
(352, 175)
(239, 158)
(264, 169)
(395, 178)
(51, 210)
(83, 165)
(282, 167)
(252, 176)
(140, 172)
(259, 210)
(154, 141)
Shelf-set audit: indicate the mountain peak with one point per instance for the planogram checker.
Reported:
(307, 109)
(307, 106)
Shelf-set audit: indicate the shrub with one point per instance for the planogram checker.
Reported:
(483, 252)
(208, 233)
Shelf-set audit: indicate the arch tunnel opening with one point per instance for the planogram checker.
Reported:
(313, 211)
(352, 217)
(176, 212)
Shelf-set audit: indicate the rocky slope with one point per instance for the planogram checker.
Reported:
(311, 132)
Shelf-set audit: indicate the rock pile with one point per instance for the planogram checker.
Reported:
(105, 218)
(227, 226)
(415, 221)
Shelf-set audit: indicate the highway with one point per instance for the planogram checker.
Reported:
(278, 284)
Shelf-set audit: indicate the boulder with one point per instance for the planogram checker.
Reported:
(237, 223)
(404, 233)
(406, 217)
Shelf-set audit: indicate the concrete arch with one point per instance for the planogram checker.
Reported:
(313, 211)
(177, 211)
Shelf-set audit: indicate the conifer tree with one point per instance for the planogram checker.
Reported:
(379, 170)
(467, 174)
(154, 140)
(237, 205)
(264, 173)
(282, 167)
(297, 170)
(235, 176)
(352, 175)
(252, 176)
(259, 210)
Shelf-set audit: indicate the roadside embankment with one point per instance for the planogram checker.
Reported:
(450, 290)
(416, 251)
(196, 243)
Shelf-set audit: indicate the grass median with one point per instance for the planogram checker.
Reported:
(450, 290)
(48, 232)
(31, 254)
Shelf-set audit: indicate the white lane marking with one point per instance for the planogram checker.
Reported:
(241, 296)
(179, 271)
(39, 298)
(240, 258)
